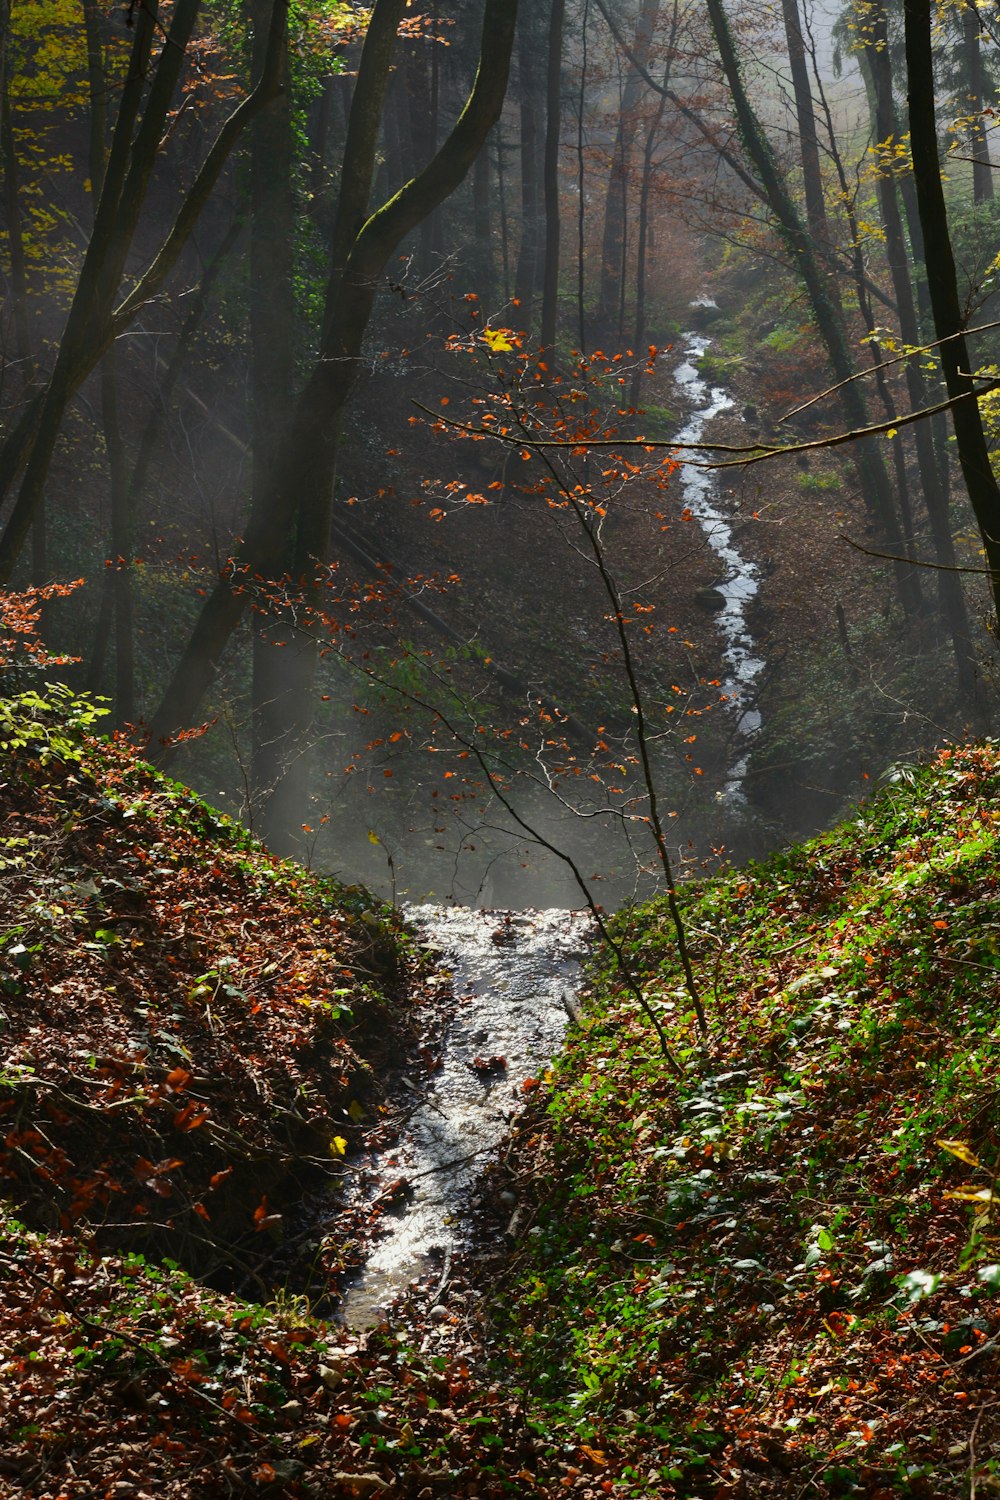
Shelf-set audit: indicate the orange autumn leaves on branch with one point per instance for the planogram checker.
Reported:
(20, 617)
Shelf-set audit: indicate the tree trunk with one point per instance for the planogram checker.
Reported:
(649, 151)
(121, 525)
(812, 177)
(272, 369)
(616, 198)
(581, 190)
(502, 205)
(299, 485)
(526, 272)
(873, 479)
(12, 211)
(553, 124)
(942, 283)
(482, 228)
(979, 149)
(950, 596)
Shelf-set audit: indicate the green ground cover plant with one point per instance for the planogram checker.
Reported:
(781, 1272)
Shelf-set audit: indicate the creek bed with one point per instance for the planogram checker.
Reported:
(513, 973)
(740, 579)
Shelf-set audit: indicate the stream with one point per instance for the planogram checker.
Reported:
(514, 971)
(739, 578)
(511, 971)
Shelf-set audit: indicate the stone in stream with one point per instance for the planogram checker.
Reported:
(710, 598)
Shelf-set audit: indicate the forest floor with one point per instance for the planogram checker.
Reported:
(765, 1266)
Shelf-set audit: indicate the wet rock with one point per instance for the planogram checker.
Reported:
(710, 598)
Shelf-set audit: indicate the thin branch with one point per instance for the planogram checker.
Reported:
(753, 453)
(871, 369)
(916, 562)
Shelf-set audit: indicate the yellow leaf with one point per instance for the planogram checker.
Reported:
(338, 1146)
(961, 1150)
(373, 837)
(356, 1110)
(594, 1454)
(971, 1195)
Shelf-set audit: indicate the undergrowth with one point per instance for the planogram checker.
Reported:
(776, 1277)
(780, 1276)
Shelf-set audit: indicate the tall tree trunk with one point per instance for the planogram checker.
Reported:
(950, 595)
(272, 369)
(613, 247)
(942, 282)
(979, 150)
(873, 479)
(812, 177)
(114, 445)
(482, 228)
(581, 189)
(502, 205)
(298, 489)
(529, 251)
(18, 275)
(12, 211)
(553, 124)
(877, 66)
(649, 151)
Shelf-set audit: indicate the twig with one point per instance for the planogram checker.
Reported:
(752, 453)
(916, 562)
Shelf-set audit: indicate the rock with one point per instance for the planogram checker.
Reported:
(438, 1313)
(709, 598)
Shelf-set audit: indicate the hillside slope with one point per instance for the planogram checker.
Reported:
(779, 1276)
(773, 1276)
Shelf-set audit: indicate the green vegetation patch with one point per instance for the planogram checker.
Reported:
(784, 1264)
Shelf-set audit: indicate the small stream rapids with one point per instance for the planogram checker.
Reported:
(511, 972)
(739, 580)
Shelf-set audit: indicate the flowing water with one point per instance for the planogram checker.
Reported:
(511, 971)
(514, 971)
(739, 578)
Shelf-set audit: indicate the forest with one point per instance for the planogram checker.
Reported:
(499, 588)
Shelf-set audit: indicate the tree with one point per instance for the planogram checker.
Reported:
(942, 281)
(873, 479)
(616, 196)
(812, 177)
(94, 320)
(291, 513)
(553, 123)
(872, 34)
